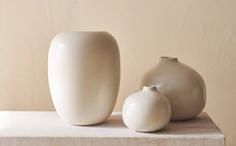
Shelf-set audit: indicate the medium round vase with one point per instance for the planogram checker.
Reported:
(84, 76)
(183, 86)
(146, 111)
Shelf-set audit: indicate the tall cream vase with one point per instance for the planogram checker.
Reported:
(182, 85)
(84, 76)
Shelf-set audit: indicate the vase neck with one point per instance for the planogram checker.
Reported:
(150, 88)
(172, 59)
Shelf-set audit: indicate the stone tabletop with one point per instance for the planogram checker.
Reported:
(47, 129)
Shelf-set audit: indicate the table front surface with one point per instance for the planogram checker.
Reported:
(48, 124)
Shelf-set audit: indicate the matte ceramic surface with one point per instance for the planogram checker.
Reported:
(84, 76)
(146, 110)
(182, 85)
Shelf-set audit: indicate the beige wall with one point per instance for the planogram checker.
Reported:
(202, 33)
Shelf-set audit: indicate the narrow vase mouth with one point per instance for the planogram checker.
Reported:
(166, 58)
(150, 88)
(86, 31)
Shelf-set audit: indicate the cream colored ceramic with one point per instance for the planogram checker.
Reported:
(182, 85)
(146, 110)
(84, 76)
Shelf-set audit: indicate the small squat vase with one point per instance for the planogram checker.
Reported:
(182, 85)
(146, 111)
(84, 76)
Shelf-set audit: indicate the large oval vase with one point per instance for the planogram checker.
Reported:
(84, 76)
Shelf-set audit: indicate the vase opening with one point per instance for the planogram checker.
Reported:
(152, 88)
(165, 58)
(86, 32)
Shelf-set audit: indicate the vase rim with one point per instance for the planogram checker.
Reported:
(166, 58)
(150, 88)
(85, 31)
